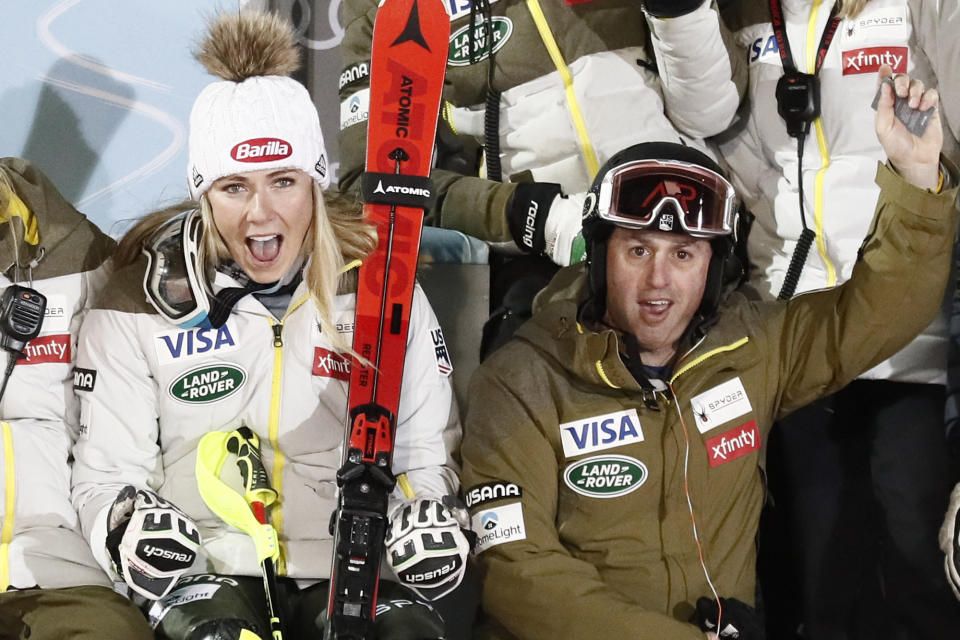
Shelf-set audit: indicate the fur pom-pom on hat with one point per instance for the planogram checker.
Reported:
(241, 46)
(256, 117)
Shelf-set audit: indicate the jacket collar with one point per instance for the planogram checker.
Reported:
(55, 218)
(594, 355)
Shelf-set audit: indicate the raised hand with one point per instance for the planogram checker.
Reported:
(915, 158)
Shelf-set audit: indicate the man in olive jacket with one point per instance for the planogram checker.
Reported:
(612, 450)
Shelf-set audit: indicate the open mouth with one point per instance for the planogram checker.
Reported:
(655, 307)
(265, 248)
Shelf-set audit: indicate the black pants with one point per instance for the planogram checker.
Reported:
(217, 607)
(860, 482)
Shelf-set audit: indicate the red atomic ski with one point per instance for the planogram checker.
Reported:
(410, 40)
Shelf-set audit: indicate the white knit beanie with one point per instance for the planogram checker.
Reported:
(256, 117)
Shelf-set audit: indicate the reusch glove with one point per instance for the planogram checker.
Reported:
(665, 9)
(426, 548)
(152, 543)
(950, 543)
(543, 220)
(740, 620)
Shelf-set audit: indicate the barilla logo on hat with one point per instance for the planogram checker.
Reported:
(261, 150)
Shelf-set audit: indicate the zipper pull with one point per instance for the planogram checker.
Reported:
(277, 330)
(649, 397)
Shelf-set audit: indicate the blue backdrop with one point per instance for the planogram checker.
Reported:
(98, 93)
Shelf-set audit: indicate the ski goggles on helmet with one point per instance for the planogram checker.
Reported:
(668, 195)
(172, 281)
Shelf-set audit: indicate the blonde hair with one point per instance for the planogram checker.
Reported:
(850, 8)
(337, 236)
(132, 242)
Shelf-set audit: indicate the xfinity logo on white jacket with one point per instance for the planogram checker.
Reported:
(869, 59)
(720, 404)
(46, 349)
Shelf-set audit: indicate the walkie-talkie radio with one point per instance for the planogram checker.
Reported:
(798, 101)
(21, 315)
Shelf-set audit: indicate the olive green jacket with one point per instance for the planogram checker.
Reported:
(587, 532)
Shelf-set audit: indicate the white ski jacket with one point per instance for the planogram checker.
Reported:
(152, 391)
(842, 150)
(40, 540)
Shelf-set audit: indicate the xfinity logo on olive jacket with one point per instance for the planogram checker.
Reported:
(600, 432)
(733, 444)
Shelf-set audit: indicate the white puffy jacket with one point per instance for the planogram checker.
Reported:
(153, 390)
(842, 150)
(40, 540)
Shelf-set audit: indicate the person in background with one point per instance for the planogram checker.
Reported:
(50, 585)
(858, 479)
(538, 95)
(251, 287)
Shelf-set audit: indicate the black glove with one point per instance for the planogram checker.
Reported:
(544, 221)
(664, 9)
(740, 621)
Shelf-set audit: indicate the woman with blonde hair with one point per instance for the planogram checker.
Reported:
(247, 322)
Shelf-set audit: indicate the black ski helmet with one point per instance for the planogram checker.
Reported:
(725, 267)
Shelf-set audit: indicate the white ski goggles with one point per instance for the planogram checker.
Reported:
(172, 280)
(657, 194)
